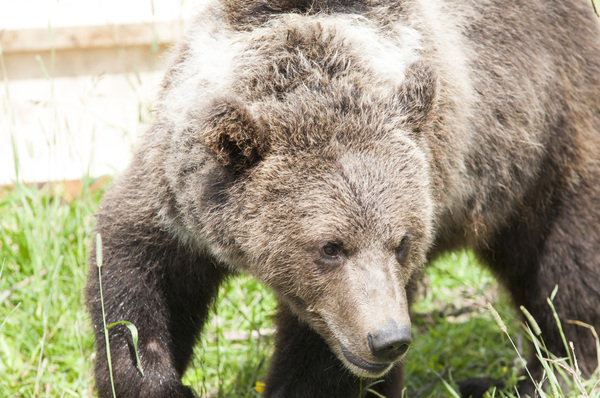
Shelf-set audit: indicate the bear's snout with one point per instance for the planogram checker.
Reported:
(389, 344)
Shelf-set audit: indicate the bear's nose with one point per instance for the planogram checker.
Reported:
(389, 344)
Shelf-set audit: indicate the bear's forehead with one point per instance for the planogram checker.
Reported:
(323, 123)
(337, 191)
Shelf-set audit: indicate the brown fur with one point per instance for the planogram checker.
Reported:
(384, 132)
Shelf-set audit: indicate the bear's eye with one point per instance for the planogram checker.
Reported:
(330, 251)
(402, 249)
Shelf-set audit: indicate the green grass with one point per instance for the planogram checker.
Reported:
(454, 333)
(46, 344)
(45, 341)
(223, 363)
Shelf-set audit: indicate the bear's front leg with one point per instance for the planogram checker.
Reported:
(165, 290)
(303, 365)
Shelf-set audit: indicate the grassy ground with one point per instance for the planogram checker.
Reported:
(46, 345)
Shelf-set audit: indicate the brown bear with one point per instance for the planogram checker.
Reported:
(330, 149)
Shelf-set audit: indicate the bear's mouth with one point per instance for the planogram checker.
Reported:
(371, 367)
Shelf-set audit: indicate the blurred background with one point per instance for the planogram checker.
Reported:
(77, 82)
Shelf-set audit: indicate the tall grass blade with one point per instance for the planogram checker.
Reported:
(596, 373)
(560, 328)
(532, 322)
(502, 326)
(99, 265)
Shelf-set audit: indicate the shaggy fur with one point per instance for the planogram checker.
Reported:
(331, 149)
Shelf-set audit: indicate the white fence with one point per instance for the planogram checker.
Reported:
(77, 79)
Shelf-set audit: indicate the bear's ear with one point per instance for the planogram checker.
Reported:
(233, 134)
(416, 97)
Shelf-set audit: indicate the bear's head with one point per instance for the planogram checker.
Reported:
(327, 200)
(311, 174)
